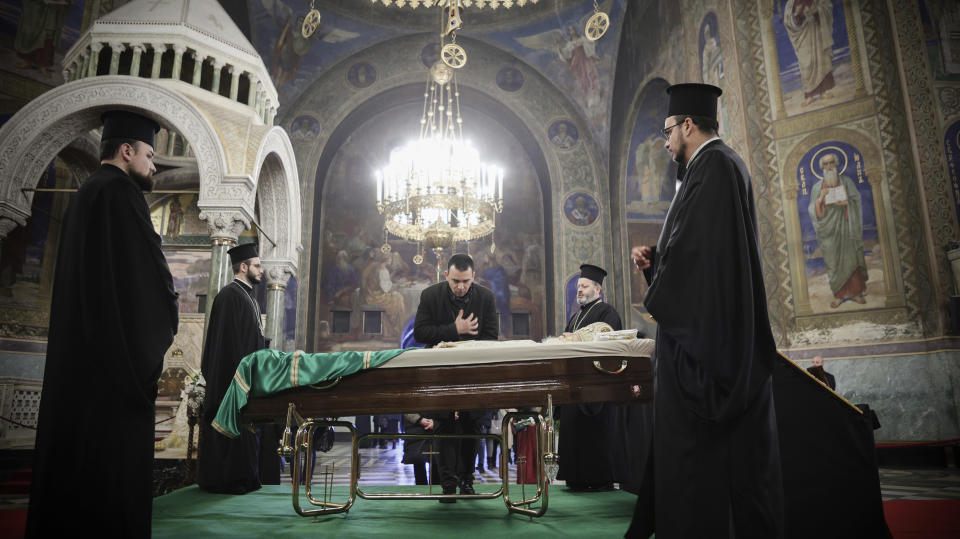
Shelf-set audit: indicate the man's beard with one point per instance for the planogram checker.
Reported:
(252, 279)
(585, 299)
(144, 182)
(831, 178)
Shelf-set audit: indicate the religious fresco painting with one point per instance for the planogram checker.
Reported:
(27, 262)
(176, 219)
(190, 268)
(362, 270)
(36, 35)
(813, 51)
(509, 79)
(843, 259)
(581, 209)
(651, 173)
(304, 128)
(292, 59)
(581, 68)
(563, 134)
(941, 20)
(711, 64)
(951, 143)
(361, 75)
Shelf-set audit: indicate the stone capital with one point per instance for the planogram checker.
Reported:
(179, 49)
(96, 47)
(138, 48)
(218, 63)
(6, 226)
(277, 273)
(225, 224)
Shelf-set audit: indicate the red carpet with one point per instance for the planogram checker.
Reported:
(13, 523)
(926, 519)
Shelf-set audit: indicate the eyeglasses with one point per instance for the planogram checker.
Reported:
(666, 130)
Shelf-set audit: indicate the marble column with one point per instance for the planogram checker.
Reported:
(234, 82)
(277, 277)
(158, 49)
(177, 61)
(217, 68)
(95, 49)
(198, 60)
(85, 67)
(271, 115)
(115, 50)
(253, 93)
(225, 227)
(135, 62)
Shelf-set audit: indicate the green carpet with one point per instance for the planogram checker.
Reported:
(191, 512)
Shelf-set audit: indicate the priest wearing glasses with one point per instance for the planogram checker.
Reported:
(590, 457)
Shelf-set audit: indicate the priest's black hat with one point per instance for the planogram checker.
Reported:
(693, 99)
(244, 251)
(594, 273)
(124, 124)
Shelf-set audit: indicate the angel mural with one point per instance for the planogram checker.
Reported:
(580, 59)
(290, 45)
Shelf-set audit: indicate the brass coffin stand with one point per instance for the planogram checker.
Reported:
(303, 448)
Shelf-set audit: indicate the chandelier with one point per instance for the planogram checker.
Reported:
(436, 190)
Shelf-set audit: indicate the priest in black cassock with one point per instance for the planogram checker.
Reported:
(715, 466)
(589, 456)
(112, 318)
(233, 465)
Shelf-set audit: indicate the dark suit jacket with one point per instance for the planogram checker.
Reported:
(436, 315)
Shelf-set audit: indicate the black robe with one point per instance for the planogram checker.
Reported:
(112, 318)
(716, 463)
(229, 465)
(590, 454)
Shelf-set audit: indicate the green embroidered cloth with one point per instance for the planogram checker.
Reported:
(265, 372)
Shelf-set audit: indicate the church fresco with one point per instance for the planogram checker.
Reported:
(509, 79)
(843, 258)
(582, 68)
(294, 60)
(361, 75)
(581, 209)
(813, 53)
(35, 35)
(651, 173)
(27, 262)
(711, 65)
(359, 274)
(563, 134)
(304, 128)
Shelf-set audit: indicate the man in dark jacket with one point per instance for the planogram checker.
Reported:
(457, 310)
(113, 316)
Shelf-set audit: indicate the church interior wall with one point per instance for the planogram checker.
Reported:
(893, 114)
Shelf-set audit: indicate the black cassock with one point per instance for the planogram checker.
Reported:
(113, 316)
(590, 452)
(232, 465)
(716, 460)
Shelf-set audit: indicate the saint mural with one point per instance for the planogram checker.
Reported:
(809, 24)
(836, 213)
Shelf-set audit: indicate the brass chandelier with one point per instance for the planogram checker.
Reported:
(436, 190)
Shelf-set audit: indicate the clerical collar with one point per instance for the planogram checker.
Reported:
(682, 167)
(243, 283)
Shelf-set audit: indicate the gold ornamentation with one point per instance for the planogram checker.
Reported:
(310, 23)
(597, 26)
(453, 55)
(385, 248)
(418, 259)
